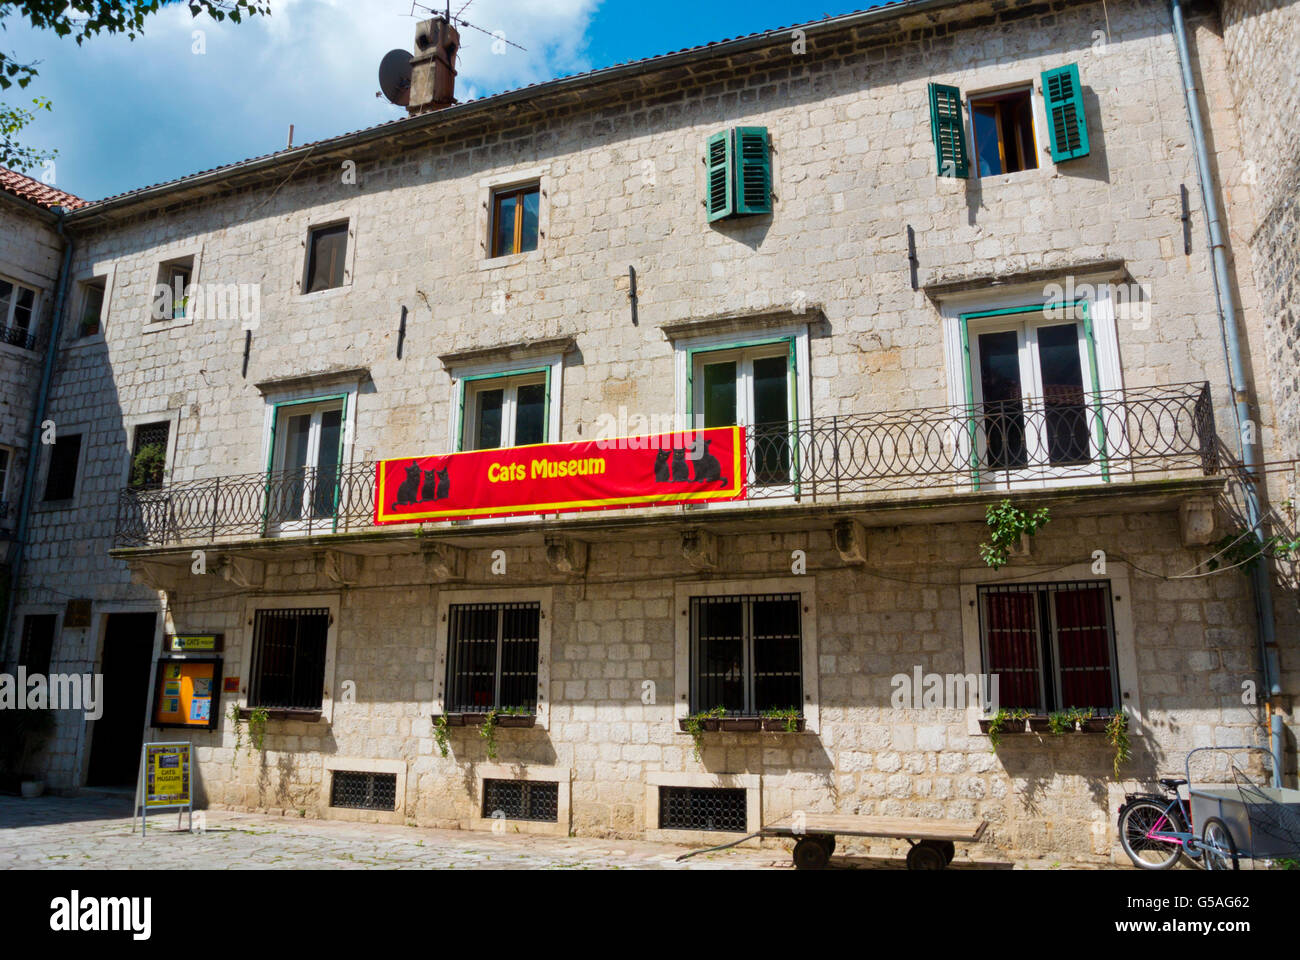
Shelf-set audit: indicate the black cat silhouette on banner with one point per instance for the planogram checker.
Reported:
(684, 467)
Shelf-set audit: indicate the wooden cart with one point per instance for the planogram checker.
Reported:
(932, 840)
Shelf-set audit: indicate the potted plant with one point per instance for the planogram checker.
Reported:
(515, 717)
(699, 722)
(148, 465)
(1003, 722)
(22, 733)
(742, 724)
(787, 720)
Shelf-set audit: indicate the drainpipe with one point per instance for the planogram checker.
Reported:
(34, 436)
(1260, 577)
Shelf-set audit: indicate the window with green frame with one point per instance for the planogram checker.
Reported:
(751, 385)
(1028, 375)
(306, 454)
(509, 409)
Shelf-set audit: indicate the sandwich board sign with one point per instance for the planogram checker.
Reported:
(166, 781)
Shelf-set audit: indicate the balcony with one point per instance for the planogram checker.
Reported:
(17, 337)
(1067, 440)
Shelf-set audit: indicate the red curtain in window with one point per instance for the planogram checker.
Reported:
(1011, 635)
(1084, 648)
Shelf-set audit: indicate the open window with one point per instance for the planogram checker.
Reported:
(753, 387)
(1002, 130)
(17, 315)
(173, 292)
(63, 467)
(327, 250)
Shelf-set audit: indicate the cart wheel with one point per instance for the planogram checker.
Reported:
(926, 855)
(948, 847)
(1219, 847)
(811, 853)
(828, 841)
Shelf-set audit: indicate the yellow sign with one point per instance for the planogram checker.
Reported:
(167, 774)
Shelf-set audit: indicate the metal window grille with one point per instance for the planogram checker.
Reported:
(522, 800)
(703, 808)
(61, 478)
(289, 658)
(37, 647)
(492, 651)
(149, 435)
(747, 653)
(363, 791)
(1051, 645)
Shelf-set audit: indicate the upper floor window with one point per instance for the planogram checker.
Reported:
(172, 296)
(738, 173)
(1002, 130)
(327, 249)
(64, 462)
(1051, 645)
(92, 306)
(504, 411)
(306, 451)
(751, 387)
(515, 218)
(17, 315)
(149, 455)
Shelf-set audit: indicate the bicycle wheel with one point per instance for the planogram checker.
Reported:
(1220, 849)
(1137, 822)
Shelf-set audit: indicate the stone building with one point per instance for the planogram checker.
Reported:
(931, 256)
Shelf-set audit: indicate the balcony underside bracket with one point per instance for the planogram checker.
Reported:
(242, 571)
(700, 549)
(566, 555)
(850, 541)
(443, 561)
(341, 569)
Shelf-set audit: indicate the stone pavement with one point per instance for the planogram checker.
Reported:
(95, 832)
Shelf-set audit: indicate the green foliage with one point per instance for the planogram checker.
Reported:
(237, 724)
(441, 734)
(1007, 522)
(257, 726)
(82, 19)
(148, 464)
(1242, 549)
(790, 715)
(999, 721)
(1117, 737)
(488, 731)
(695, 725)
(1058, 722)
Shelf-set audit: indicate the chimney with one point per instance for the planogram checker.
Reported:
(433, 68)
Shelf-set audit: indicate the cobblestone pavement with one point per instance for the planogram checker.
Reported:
(96, 833)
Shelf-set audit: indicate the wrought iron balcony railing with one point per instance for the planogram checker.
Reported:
(17, 337)
(1064, 439)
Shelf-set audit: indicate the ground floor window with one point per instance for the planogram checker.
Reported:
(521, 800)
(1051, 645)
(288, 660)
(359, 790)
(746, 653)
(492, 651)
(703, 808)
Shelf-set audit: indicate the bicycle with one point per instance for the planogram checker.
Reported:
(1156, 830)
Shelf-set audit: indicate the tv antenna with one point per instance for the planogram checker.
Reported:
(461, 22)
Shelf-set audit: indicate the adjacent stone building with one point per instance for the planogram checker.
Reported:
(931, 255)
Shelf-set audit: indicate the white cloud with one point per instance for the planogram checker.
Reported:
(127, 114)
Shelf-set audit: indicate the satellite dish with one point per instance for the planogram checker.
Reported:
(395, 77)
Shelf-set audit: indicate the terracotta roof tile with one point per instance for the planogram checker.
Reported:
(33, 191)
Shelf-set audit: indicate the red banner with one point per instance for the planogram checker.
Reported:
(692, 466)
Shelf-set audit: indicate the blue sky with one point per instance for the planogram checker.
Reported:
(132, 113)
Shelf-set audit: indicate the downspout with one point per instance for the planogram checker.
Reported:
(34, 436)
(1260, 577)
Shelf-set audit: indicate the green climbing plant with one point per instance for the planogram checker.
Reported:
(788, 714)
(488, 731)
(441, 734)
(257, 718)
(999, 721)
(237, 724)
(148, 465)
(1117, 737)
(1243, 548)
(695, 726)
(1007, 523)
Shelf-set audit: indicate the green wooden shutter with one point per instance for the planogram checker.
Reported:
(1063, 99)
(753, 171)
(719, 197)
(949, 131)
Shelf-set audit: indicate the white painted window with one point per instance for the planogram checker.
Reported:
(305, 461)
(17, 314)
(505, 411)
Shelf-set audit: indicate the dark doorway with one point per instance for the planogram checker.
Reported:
(118, 734)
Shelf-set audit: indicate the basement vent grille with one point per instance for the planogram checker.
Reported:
(357, 790)
(702, 808)
(522, 800)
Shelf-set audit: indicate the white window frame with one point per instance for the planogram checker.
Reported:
(805, 586)
(751, 783)
(108, 274)
(8, 319)
(687, 350)
(1037, 120)
(129, 424)
(532, 773)
(244, 636)
(315, 409)
(1094, 290)
(163, 259)
(509, 385)
(468, 378)
(539, 595)
(1117, 574)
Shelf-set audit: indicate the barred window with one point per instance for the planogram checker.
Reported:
(1051, 645)
(703, 808)
(149, 455)
(288, 661)
(522, 800)
(358, 790)
(492, 653)
(747, 653)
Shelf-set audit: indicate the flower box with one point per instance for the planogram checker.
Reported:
(303, 716)
(778, 725)
(503, 719)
